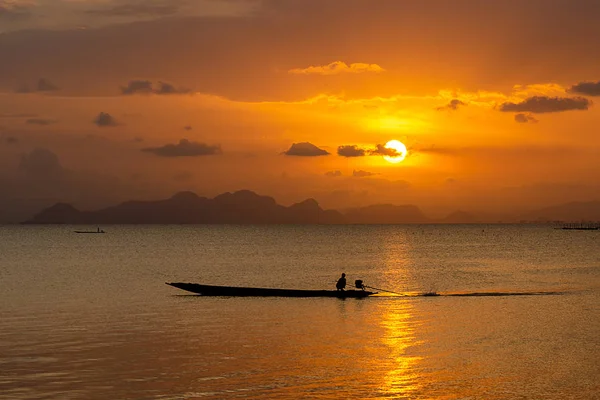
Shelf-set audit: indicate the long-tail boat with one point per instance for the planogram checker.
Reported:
(232, 291)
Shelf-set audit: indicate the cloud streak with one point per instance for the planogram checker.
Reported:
(356, 151)
(452, 105)
(351, 151)
(185, 148)
(11, 10)
(525, 119)
(362, 174)
(336, 68)
(586, 88)
(147, 87)
(40, 121)
(544, 104)
(138, 9)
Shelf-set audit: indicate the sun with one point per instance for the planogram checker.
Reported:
(400, 150)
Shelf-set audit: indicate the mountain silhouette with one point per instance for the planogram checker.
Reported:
(574, 211)
(247, 207)
(242, 207)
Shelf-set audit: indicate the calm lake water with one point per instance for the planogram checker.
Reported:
(89, 316)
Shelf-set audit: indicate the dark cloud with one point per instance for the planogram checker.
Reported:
(351, 151)
(40, 121)
(12, 140)
(185, 148)
(305, 149)
(42, 85)
(452, 105)
(381, 150)
(362, 174)
(167, 88)
(137, 86)
(544, 104)
(525, 118)
(586, 88)
(147, 87)
(139, 9)
(333, 174)
(104, 120)
(41, 163)
(355, 151)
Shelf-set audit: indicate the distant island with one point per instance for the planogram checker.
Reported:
(247, 207)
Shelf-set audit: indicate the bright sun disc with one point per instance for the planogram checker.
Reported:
(400, 149)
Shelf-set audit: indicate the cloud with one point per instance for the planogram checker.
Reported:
(362, 174)
(337, 67)
(452, 105)
(137, 9)
(185, 148)
(525, 118)
(42, 85)
(41, 162)
(22, 115)
(544, 104)
(147, 87)
(305, 149)
(350, 151)
(40, 121)
(188, 127)
(137, 86)
(104, 120)
(12, 10)
(355, 151)
(333, 174)
(12, 140)
(586, 88)
(167, 88)
(381, 150)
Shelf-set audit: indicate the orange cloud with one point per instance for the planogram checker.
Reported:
(337, 67)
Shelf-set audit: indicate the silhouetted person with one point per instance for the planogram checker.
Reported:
(341, 283)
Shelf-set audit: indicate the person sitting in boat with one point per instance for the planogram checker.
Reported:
(341, 283)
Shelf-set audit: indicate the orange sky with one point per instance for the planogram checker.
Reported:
(494, 100)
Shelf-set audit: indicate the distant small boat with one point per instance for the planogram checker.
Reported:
(232, 291)
(582, 226)
(96, 231)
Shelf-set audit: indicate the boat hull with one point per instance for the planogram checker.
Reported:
(231, 291)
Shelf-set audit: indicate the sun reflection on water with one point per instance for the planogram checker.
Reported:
(399, 323)
(402, 378)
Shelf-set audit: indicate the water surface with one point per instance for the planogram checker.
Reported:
(89, 316)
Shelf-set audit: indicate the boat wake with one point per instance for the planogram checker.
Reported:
(471, 294)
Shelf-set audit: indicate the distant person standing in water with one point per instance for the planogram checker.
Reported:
(341, 283)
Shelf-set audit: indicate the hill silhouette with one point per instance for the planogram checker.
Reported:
(574, 211)
(247, 207)
(242, 207)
